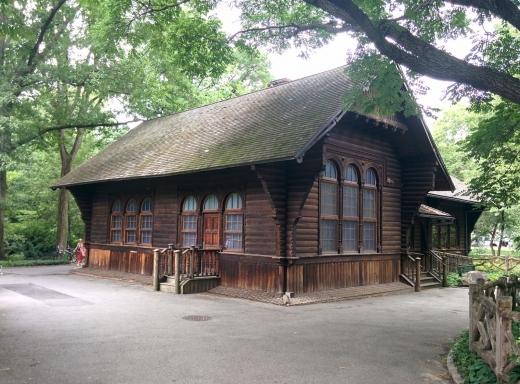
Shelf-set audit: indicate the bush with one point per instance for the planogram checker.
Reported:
(469, 364)
(31, 263)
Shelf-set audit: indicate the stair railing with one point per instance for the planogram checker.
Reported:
(436, 264)
(411, 268)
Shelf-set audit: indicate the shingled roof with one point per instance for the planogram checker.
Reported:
(273, 124)
(460, 193)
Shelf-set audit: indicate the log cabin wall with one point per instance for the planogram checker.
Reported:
(312, 271)
(262, 223)
(418, 178)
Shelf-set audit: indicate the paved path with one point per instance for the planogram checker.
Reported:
(61, 328)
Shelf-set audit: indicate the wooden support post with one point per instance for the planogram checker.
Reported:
(513, 280)
(418, 274)
(177, 284)
(192, 261)
(503, 345)
(444, 271)
(169, 268)
(156, 258)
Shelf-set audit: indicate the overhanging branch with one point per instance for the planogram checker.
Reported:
(42, 132)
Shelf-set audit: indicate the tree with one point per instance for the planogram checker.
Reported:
(453, 133)
(61, 62)
(410, 34)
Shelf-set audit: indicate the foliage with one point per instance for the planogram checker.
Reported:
(31, 204)
(493, 146)
(453, 280)
(469, 364)
(31, 263)
(80, 64)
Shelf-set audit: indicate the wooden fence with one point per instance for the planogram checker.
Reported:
(491, 310)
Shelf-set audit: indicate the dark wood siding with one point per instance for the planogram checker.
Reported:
(325, 273)
(260, 226)
(165, 216)
(100, 213)
(250, 272)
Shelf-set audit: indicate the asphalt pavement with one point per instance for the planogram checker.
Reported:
(57, 327)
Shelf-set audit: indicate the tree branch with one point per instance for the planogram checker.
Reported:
(504, 9)
(45, 27)
(26, 140)
(296, 29)
(153, 10)
(420, 56)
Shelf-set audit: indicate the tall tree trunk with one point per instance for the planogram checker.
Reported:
(3, 193)
(502, 226)
(67, 158)
(493, 234)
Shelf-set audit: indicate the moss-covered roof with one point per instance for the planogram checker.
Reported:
(268, 125)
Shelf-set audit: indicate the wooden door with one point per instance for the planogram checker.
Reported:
(211, 231)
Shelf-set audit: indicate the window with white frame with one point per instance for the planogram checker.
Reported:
(233, 223)
(189, 222)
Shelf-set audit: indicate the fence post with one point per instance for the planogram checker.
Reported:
(156, 257)
(192, 261)
(513, 280)
(503, 345)
(177, 283)
(418, 274)
(169, 267)
(444, 271)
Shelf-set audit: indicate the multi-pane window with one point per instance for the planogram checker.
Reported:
(444, 235)
(116, 222)
(329, 208)
(146, 222)
(131, 222)
(350, 209)
(189, 222)
(369, 211)
(233, 226)
(344, 205)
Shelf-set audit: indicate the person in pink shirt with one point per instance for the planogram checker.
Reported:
(80, 249)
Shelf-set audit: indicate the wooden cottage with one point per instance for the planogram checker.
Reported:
(284, 188)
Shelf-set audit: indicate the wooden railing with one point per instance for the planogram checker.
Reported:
(188, 263)
(491, 308)
(504, 263)
(411, 268)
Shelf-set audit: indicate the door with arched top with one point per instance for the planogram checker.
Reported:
(211, 223)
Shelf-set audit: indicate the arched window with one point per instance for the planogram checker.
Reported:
(329, 208)
(350, 209)
(233, 228)
(369, 211)
(211, 223)
(116, 222)
(211, 203)
(146, 224)
(131, 222)
(189, 222)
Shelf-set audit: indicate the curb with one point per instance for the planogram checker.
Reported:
(452, 369)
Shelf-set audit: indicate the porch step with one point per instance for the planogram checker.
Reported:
(195, 285)
(428, 281)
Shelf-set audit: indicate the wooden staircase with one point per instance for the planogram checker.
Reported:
(186, 286)
(428, 281)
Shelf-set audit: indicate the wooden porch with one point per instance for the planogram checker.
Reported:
(183, 271)
(430, 269)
